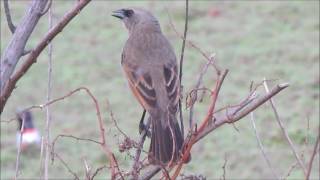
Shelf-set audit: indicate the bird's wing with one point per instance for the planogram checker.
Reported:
(141, 84)
(170, 72)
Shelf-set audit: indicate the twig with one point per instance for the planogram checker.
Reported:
(224, 167)
(66, 166)
(73, 137)
(203, 125)
(181, 63)
(284, 131)
(264, 154)
(135, 166)
(48, 114)
(114, 120)
(199, 82)
(11, 84)
(41, 157)
(193, 45)
(246, 109)
(97, 171)
(151, 173)
(312, 157)
(19, 147)
(49, 3)
(290, 170)
(12, 27)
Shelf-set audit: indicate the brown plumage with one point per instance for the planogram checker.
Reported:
(150, 66)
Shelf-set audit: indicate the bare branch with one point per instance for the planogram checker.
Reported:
(264, 154)
(197, 86)
(284, 131)
(315, 149)
(19, 147)
(49, 3)
(8, 84)
(16, 46)
(49, 88)
(136, 162)
(66, 166)
(12, 27)
(246, 109)
(181, 63)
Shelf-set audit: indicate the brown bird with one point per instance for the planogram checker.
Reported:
(150, 66)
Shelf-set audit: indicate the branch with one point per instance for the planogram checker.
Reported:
(193, 98)
(12, 27)
(19, 146)
(135, 166)
(17, 44)
(8, 85)
(49, 87)
(264, 154)
(181, 64)
(245, 110)
(312, 157)
(284, 131)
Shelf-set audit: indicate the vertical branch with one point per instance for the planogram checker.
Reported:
(181, 63)
(19, 148)
(261, 146)
(284, 131)
(48, 115)
(312, 157)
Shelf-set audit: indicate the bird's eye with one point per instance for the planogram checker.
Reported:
(128, 12)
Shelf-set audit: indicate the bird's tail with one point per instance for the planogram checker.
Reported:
(166, 141)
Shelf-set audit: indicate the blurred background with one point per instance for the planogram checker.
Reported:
(273, 39)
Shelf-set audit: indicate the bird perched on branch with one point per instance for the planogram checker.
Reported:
(30, 135)
(150, 66)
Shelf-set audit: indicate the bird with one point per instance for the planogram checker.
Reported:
(26, 129)
(150, 66)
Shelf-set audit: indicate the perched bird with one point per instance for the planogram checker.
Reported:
(150, 65)
(30, 135)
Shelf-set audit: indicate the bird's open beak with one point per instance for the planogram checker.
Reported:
(118, 13)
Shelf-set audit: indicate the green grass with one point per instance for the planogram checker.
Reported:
(276, 40)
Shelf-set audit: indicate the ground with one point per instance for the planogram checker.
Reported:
(277, 40)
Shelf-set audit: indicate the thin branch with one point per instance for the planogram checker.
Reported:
(181, 63)
(12, 27)
(66, 166)
(219, 120)
(261, 146)
(192, 45)
(136, 162)
(148, 175)
(11, 84)
(312, 157)
(204, 124)
(49, 88)
(284, 131)
(197, 86)
(224, 167)
(49, 3)
(97, 171)
(19, 147)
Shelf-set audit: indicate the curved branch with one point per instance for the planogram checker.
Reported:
(12, 27)
(8, 85)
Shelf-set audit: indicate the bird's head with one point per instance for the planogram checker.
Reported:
(137, 19)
